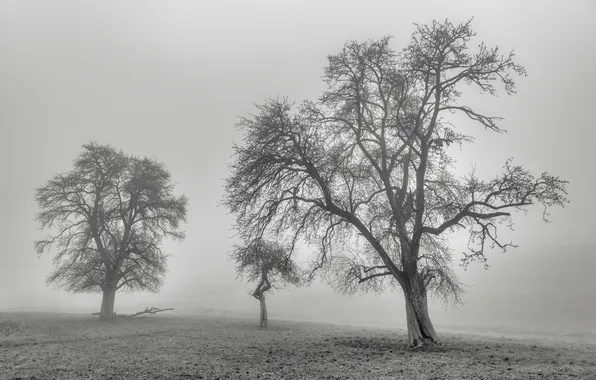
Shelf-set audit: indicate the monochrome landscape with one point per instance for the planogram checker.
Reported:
(297, 190)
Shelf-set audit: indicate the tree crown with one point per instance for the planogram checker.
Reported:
(110, 214)
(364, 173)
(268, 263)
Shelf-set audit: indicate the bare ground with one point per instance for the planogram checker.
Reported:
(53, 346)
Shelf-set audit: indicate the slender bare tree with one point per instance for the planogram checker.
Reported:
(109, 216)
(270, 265)
(365, 172)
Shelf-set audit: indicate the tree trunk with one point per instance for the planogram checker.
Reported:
(420, 327)
(263, 311)
(107, 303)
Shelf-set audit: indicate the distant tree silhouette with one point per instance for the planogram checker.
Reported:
(269, 265)
(365, 172)
(109, 215)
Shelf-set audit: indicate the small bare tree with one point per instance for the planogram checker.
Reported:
(270, 265)
(110, 215)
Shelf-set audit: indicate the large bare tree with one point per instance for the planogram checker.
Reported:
(270, 265)
(108, 217)
(365, 172)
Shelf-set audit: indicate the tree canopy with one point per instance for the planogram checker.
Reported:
(267, 263)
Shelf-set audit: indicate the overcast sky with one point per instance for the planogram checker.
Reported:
(168, 79)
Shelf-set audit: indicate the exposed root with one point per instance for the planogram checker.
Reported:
(425, 344)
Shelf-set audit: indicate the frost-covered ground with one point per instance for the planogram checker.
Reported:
(54, 346)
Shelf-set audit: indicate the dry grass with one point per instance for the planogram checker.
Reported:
(8, 327)
(173, 347)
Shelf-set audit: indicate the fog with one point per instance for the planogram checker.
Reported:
(169, 79)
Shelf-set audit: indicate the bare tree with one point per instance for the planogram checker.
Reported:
(270, 265)
(365, 172)
(109, 215)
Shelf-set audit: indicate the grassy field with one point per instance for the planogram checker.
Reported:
(54, 346)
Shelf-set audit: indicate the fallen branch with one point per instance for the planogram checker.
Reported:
(153, 310)
(149, 310)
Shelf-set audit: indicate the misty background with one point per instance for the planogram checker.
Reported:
(169, 79)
